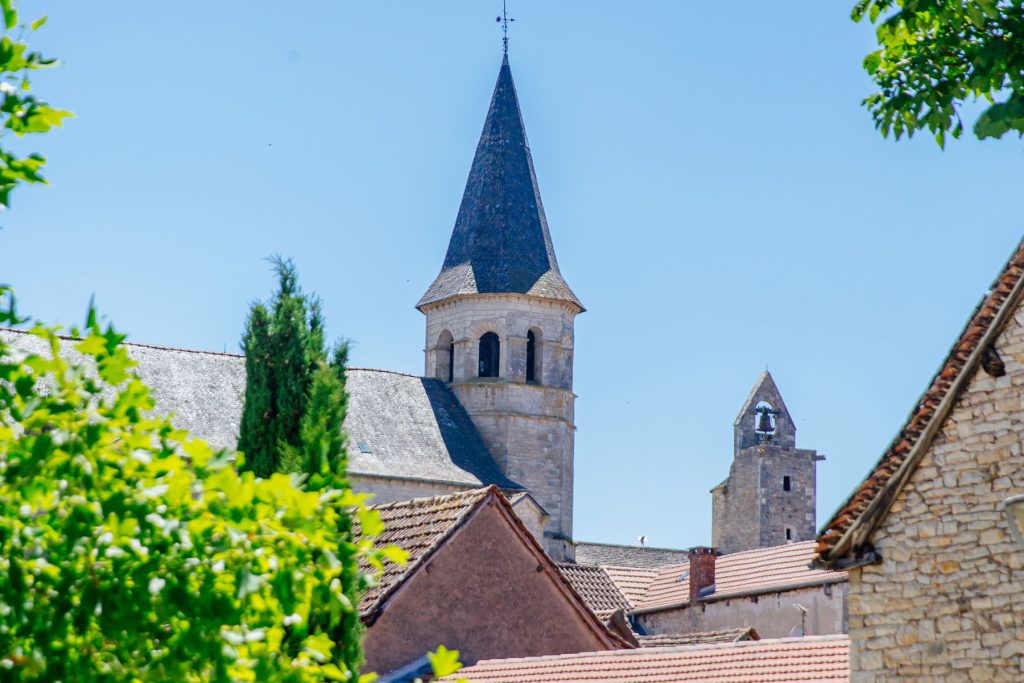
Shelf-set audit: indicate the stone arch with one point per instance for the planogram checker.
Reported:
(489, 355)
(444, 356)
(534, 355)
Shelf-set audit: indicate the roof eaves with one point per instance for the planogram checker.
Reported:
(850, 526)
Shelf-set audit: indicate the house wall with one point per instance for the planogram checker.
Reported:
(947, 601)
(772, 615)
(483, 595)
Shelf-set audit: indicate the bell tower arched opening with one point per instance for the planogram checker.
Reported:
(490, 354)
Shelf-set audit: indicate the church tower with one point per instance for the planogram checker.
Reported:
(769, 497)
(499, 320)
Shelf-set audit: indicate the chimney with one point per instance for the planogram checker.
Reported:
(702, 571)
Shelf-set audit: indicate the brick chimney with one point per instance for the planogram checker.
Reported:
(702, 569)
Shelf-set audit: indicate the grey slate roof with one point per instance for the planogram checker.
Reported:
(501, 242)
(628, 555)
(414, 426)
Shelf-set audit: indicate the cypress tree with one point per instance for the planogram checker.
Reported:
(257, 436)
(282, 347)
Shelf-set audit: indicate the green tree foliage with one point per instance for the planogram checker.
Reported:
(934, 54)
(130, 552)
(284, 345)
(21, 113)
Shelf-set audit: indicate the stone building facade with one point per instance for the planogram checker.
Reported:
(769, 497)
(936, 580)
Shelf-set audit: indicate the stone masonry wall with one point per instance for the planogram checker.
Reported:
(753, 510)
(387, 490)
(946, 604)
(528, 427)
(794, 509)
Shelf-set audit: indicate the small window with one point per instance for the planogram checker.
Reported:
(786, 484)
(789, 534)
(531, 357)
(490, 352)
(363, 447)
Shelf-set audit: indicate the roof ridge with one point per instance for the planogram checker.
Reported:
(631, 547)
(766, 643)
(388, 372)
(413, 502)
(68, 337)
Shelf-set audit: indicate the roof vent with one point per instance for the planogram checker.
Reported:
(364, 447)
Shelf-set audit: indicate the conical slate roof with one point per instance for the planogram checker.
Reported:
(501, 242)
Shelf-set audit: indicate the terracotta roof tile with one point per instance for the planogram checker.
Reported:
(788, 660)
(729, 635)
(763, 569)
(632, 582)
(417, 526)
(943, 389)
(596, 588)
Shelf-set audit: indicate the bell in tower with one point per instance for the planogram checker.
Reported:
(764, 424)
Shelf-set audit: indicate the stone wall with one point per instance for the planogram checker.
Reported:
(947, 601)
(528, 427)
(772, 615)
(752, 509)
(388, 490)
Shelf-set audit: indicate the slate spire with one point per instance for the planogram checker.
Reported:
(501, 242)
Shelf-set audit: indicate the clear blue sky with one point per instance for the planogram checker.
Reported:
(718, 199)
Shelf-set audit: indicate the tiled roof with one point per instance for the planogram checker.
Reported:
(788, 660)
(596, 588)
(632, 582)
(414, 427)
(751, 571)
(729, 635)
(419, 527)
(851, 525)
(501, 242)
(627, 555)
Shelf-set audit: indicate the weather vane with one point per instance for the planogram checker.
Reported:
(504, 21)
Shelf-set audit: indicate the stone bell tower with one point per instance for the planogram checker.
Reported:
(769, 497)
(499, 320)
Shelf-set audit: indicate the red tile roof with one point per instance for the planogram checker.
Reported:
(761, 570)
(596, 588)
(417, 526)
(854, 521)
(421, 526)
(787, 660)
(632, 582)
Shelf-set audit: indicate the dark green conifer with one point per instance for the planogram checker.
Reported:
(282, 346)
(257, 436)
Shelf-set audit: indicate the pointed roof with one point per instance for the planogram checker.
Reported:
(744, 435)
(764, 389)
(501, 242)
